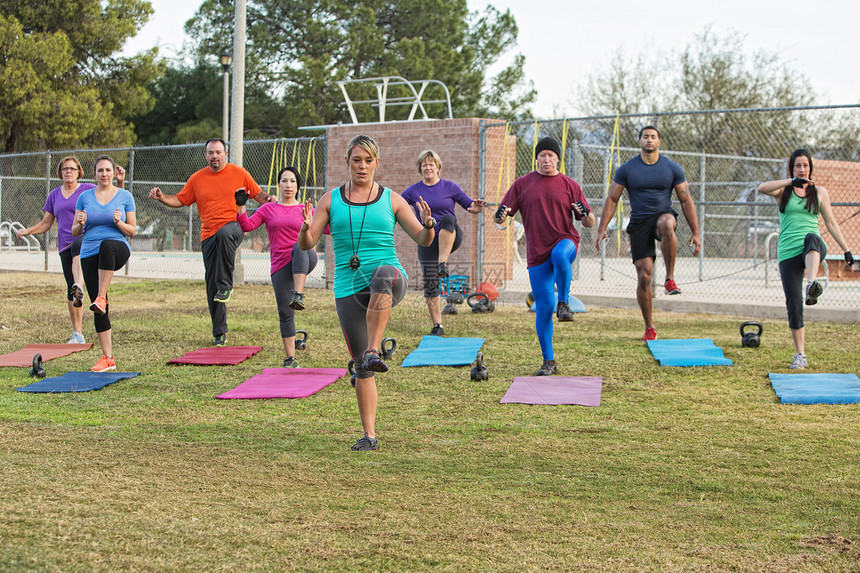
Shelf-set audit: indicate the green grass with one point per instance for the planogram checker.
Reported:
(679, 468)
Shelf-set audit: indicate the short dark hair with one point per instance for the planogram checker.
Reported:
(641, 131)
(295, 172)
(211, 139)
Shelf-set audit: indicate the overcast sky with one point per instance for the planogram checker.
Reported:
(565, 40)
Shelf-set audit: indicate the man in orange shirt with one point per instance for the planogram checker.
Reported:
(213, 189)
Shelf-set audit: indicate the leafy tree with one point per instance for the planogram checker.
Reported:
(712, 73)
(63, 83)
(299, 49)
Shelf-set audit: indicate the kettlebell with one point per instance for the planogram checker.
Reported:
(455, 298)
(389, 346)
(351, 367)
(38, 370)
(480, 303)
(479, 371)
(450, 308)
(751, 339)
(301, 339)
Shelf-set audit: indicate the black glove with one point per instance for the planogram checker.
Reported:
(500, 213)
(849, 258)
(799, 182)
(583, 208)
(241, 197)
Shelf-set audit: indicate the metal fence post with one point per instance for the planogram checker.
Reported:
(702, 217)
(47, 238)
(482, 173)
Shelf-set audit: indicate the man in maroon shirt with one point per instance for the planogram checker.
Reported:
(548, 201)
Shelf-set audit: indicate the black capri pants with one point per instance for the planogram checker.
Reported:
(791, 273)
(282, 280)
(113, 255)
(429, 256)
(66, 257)
(352, 310)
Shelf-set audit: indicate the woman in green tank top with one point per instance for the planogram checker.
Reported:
(368, 278)
(800, 244)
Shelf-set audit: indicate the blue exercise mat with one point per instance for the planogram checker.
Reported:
(77, 382)
(574, 303)
(816, 388)
(441, 351)
(688, 352)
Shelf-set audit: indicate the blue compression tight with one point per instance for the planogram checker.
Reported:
(545, 278)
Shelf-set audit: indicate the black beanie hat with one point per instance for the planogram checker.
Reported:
(548, 143)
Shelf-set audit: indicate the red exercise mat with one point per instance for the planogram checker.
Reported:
(217, 355)
(24, 357)
(284, 383)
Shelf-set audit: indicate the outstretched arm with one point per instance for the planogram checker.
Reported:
(314, 222)
(40, 227)
(169, 200)
(689, 210)
(829, 220)
(609, 207)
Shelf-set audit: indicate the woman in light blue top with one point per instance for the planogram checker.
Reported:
(107, 214)
(368, 278)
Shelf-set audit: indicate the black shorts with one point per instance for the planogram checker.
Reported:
(643, 233)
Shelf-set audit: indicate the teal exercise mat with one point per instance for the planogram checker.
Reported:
(816, 388)
(574, 303)
(77, 382)
(688, 352)
(441, 351)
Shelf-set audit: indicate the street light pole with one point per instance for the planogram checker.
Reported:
(226, 62)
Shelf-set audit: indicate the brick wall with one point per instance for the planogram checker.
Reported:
(457, 143)
(841, 179)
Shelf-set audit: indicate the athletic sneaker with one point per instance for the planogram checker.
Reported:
(99, 305)
(442, 270)
(799, 362)
(365, 444)
(437, 330)
(671, 287)
(222, 295)
(291, 362)
(813, 291)
(371, 360)
(77, 296)
(220, 340)
(650, 334)
(104, 364)
(547, 368)
(563, 312)
(76, 338)
(298, 302)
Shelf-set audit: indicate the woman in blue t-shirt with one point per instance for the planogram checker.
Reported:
(60, 206)
(442, 196)
(368, 278)
(105, 216)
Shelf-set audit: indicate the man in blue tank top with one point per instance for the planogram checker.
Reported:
(649, 179)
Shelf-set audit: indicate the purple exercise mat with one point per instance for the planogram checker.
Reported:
(217, 355)
(554, 390)
(284, 383)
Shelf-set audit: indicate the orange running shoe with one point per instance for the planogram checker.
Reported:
(99, 305)
(104, 364)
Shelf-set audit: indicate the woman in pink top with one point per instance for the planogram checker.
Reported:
(290, 264)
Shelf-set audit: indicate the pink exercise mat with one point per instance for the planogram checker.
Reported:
(555, 390)
(24, 357)
(284, 383)
(217, 355)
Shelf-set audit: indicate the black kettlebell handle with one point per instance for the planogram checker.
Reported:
(753, 323)
(481, 296)
(388, 347)
(301, 335)
(37, 370)
(479, 361)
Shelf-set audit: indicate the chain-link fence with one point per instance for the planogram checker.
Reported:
(725, 156)
(167, 244)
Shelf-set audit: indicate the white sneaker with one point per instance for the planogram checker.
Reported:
(76, 338)
(799, 362)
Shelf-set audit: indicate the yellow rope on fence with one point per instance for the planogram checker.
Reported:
(564, 129)
(615, 146)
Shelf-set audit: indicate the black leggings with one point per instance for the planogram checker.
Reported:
(352, 310)
(429, 256)
(113, 255)
(66, 257)
(282, 280)
(791, 273)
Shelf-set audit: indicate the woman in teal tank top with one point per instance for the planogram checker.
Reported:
(800, 243)
(368, 278)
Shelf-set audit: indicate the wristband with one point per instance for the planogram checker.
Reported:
(799, 182)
